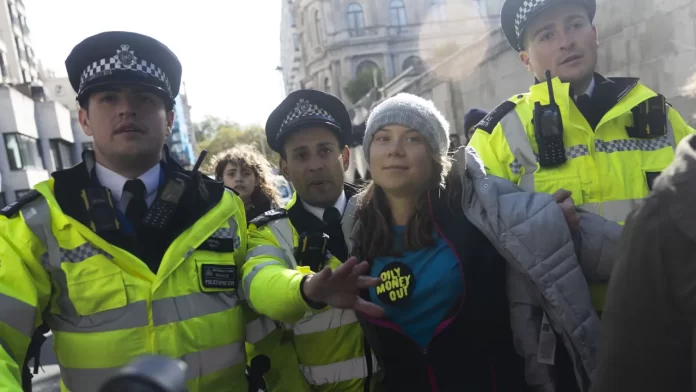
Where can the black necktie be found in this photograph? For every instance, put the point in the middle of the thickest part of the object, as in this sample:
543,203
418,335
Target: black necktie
584,105
331,216
136,207
332,227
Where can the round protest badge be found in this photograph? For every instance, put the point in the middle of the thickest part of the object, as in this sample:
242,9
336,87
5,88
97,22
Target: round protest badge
397,284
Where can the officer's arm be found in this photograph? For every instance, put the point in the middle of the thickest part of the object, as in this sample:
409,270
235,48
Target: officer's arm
679,126
271,288
25,288
493,150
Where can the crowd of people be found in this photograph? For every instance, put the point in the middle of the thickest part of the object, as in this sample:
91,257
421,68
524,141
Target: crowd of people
502,265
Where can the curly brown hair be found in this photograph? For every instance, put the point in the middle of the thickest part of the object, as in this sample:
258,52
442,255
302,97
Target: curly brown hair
373,211
247,156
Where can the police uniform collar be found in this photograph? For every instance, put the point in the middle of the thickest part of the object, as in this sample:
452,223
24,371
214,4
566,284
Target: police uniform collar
115,182
340,205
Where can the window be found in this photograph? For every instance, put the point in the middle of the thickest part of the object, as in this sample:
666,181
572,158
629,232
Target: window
397,13
438,10
60,153
356,20
414,61
3,202
366,66
3,66
87,146
317,28
296,41
22,152
327,85
21,192
20,49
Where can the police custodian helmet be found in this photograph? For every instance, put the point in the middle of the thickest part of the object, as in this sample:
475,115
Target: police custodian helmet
303,108
123,57
516,15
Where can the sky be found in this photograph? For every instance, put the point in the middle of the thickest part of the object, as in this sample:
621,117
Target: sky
229,49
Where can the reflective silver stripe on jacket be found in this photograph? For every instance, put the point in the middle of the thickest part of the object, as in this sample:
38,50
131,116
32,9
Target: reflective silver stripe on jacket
250,277
200,364
258,329
37,216
133,315
524,156
517,139
190,306
351,369
282,230
18,315
324,321
6,348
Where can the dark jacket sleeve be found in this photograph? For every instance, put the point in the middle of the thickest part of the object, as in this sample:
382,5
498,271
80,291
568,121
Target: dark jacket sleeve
648,320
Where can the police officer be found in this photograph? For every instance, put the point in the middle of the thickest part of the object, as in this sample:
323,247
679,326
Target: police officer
603,140
288,274
125,254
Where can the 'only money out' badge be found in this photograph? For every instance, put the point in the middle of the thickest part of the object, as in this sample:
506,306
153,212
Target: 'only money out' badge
397,284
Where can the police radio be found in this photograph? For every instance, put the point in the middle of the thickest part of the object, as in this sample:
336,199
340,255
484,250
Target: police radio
161,213
311,251
548,130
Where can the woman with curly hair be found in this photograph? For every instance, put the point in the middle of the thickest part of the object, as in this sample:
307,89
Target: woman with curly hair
244,169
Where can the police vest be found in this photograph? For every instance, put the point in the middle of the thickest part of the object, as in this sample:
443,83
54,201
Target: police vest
329,344
105,307
607,170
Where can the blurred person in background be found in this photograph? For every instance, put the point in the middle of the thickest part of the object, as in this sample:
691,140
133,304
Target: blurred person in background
650,318
471,119
244,169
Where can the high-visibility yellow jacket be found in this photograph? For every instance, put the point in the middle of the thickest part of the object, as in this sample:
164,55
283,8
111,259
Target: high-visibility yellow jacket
105,306
607,171
329,343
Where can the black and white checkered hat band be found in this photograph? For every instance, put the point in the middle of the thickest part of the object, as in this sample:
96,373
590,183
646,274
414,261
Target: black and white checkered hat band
104,67
304,108
523,13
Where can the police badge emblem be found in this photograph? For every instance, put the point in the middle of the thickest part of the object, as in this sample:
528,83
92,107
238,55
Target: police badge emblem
302,108
125,55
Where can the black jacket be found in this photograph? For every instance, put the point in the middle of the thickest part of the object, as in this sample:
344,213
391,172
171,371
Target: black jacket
474,352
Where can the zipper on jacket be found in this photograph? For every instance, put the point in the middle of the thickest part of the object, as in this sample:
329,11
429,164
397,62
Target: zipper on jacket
461,303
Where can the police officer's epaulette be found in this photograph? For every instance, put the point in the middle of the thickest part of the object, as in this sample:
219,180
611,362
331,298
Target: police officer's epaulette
11,209
492,119
268,217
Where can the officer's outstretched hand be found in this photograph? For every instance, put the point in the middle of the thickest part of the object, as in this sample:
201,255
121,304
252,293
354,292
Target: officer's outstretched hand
340,288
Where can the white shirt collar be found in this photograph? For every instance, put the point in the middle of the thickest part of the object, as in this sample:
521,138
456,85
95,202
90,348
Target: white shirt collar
114,181
588,91
319,212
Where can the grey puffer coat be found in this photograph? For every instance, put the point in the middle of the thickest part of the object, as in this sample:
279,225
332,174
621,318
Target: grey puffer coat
548,270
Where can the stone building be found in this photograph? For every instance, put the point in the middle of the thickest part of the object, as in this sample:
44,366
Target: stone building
650,39
327,44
